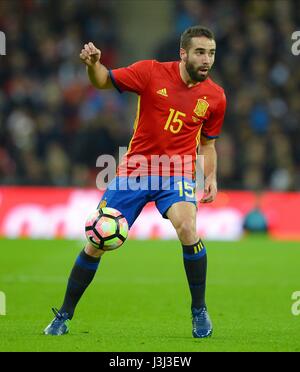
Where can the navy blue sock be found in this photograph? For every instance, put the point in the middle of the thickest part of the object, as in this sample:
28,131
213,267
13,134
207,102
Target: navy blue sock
81,276
195,264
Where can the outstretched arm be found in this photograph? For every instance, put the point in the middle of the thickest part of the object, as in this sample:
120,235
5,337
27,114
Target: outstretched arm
207,148
98,73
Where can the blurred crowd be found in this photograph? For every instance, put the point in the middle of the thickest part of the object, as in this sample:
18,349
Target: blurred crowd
53,124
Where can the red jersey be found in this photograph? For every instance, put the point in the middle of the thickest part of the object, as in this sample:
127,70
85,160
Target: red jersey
170,116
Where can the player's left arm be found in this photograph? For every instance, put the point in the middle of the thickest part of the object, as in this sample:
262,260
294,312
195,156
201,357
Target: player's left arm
210,132
208,150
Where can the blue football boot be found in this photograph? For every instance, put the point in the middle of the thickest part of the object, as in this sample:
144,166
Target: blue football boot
202,326
59,325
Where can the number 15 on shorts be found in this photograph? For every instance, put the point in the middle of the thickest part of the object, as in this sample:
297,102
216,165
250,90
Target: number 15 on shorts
186,189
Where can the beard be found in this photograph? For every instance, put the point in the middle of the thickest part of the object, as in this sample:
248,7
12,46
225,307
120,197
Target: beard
195,73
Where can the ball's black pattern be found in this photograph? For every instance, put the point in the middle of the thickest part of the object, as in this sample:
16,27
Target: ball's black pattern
104,239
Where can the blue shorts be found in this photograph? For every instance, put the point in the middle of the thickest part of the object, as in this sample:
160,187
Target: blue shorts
129,196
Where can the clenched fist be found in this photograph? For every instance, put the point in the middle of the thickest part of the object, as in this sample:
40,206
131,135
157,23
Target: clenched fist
90,55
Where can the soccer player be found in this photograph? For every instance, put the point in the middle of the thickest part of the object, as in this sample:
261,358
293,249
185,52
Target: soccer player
180,109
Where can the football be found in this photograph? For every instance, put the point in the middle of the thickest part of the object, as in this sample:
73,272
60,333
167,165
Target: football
106,228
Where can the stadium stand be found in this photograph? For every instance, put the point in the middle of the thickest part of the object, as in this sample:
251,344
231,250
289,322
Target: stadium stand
53,125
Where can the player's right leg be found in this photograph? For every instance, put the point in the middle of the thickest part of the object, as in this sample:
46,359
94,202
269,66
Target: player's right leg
81,276
129,203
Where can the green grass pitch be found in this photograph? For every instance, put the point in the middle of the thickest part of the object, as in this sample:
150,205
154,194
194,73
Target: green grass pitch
139,299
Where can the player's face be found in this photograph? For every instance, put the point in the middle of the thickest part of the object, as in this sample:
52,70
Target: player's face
199,58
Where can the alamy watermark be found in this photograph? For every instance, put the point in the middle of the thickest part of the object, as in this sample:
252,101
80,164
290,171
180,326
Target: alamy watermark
296,305
2,303
134,169
296,45
2,44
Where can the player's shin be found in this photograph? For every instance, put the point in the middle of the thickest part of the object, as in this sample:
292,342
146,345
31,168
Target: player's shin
81,276
195,264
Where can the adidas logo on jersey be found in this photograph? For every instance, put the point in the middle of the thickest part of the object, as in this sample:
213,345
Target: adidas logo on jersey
163,92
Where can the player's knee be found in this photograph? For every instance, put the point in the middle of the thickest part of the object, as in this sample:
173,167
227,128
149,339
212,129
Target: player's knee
92,251
186,231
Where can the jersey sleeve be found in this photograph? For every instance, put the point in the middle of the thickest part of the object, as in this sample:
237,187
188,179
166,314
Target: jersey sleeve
212,127
133,78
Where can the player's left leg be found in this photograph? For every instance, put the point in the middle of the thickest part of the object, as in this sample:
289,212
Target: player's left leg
182,214
183,217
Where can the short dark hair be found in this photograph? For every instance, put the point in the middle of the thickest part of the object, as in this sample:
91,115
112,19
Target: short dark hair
194,31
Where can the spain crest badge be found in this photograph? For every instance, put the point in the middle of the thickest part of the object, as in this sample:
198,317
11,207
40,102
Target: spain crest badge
103,204
201,107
